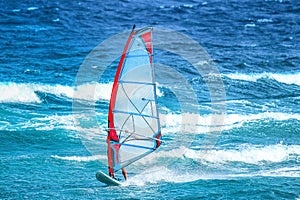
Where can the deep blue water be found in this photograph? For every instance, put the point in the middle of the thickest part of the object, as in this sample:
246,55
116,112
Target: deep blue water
52,143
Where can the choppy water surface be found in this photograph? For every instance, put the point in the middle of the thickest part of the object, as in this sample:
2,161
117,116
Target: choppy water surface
255,46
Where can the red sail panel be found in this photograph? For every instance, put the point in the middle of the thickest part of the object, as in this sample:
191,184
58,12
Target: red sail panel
147,39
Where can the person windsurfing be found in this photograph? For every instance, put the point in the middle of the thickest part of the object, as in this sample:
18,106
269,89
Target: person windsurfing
113,153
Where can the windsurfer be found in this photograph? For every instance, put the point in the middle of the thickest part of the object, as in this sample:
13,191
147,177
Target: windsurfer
113,153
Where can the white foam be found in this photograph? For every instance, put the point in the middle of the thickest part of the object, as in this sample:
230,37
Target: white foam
32,8
53,121
264,20
250,25
26,92
93,91
188,5
248,154
67,122
161,174
282,78
80,158
232,119
12,92
282,172
198,124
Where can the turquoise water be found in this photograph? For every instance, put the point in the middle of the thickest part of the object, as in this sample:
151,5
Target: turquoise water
51,150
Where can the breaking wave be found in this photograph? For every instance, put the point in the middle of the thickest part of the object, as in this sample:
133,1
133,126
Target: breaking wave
282,78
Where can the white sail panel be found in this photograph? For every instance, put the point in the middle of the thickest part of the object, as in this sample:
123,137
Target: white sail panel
135,113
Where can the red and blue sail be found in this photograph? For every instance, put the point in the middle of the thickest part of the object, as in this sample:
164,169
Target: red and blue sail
133,120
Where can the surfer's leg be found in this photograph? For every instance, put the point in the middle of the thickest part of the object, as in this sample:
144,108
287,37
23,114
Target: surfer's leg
111,172
124,173
110,160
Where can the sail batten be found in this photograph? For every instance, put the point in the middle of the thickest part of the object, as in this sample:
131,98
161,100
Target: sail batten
136,82
134,126
134,56
132,113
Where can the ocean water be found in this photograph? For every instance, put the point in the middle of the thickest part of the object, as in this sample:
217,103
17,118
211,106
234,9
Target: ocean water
52,142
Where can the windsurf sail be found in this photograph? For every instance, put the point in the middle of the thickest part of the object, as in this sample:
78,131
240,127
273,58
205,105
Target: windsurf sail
133,120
